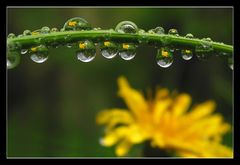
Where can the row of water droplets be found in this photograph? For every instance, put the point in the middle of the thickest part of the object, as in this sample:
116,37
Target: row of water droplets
86,49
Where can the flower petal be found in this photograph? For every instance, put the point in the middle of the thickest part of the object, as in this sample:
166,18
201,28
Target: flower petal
181,104
123,148
133,98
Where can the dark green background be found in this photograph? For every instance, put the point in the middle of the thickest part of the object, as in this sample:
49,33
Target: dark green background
52,106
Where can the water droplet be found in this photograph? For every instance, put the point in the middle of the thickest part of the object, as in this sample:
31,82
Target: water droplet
141,31
108,49
126,27
54,30
39,54
187,54
157,30
204,50
24,51
86,51
230,62
189,35
164,57
27,32
173,32
13,59
76,23
36,32
45,30
207,39
11,35
20,35
128,51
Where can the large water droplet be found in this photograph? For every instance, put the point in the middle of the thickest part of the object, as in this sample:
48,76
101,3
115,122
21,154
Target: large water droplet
108,49
126,27
77,23
230,62
187,54
86,51
39,54
173,32
13,59
164,57
128,51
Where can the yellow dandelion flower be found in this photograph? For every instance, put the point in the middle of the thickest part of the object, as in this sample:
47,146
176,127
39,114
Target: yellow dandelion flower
166,122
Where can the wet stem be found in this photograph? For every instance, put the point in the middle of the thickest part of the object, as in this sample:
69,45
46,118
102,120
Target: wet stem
158,40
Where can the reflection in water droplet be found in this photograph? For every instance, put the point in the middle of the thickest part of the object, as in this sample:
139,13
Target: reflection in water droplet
187,54
13,59
128,51
86,51
69,45
108,49
76,23
164,57
157,30
126,27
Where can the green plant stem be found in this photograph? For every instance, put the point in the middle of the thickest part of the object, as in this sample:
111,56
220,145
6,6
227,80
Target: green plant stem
103,35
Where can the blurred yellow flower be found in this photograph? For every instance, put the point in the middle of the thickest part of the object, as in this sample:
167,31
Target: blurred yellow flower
165,122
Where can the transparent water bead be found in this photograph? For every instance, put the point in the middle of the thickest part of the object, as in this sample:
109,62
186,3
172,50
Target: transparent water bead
230,62
187,54
45,30
164,57
189,35
39,54
127,51
108,49
126,27
11,35
76,23
54,30
86,51
204,50
26,32
157,30
13,59
173,32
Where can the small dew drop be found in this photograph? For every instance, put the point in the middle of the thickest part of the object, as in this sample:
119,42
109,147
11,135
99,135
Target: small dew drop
189,35
27,32
45,30
54,30
173,32
11,35
164,57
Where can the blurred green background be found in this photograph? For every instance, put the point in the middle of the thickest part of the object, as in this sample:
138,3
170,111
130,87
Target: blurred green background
52,106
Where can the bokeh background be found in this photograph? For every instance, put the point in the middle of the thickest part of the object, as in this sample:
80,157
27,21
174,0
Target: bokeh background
52,106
